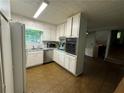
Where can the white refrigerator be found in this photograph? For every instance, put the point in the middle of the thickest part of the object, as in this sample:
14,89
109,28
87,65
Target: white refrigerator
6,68
12,57
18,56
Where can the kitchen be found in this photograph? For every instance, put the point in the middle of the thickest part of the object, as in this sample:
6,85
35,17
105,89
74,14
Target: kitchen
49,43
47,48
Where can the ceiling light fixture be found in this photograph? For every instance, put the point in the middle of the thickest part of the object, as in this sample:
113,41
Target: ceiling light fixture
40,10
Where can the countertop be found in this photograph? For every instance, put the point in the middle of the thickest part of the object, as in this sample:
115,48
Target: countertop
43,49
39,49
66,52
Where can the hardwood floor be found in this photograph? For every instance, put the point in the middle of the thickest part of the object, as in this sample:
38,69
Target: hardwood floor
98,77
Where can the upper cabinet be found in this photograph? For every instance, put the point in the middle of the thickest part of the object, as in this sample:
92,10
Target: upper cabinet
46,35
60,31
5,8
57,33
76,25
68,27
49,35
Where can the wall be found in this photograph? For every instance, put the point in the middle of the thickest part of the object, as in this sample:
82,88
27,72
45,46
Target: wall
90,44
30,23
93,38
102,36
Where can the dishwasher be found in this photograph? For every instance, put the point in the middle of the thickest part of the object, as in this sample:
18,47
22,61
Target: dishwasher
48,55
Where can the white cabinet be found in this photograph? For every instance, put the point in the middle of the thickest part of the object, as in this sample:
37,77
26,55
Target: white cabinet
65,60
49,36
68,27
5,8
57,33
46,35
34,58
56,56
72,64
52,35
61,59
76,25
73,26
60,31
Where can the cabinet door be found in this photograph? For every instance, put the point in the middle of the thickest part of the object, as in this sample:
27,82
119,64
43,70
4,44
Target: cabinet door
52,35
62,30
29,60
35,58
61,58
56,56
58,33
76,25
69,27
66,65
72,64
47,36
38,58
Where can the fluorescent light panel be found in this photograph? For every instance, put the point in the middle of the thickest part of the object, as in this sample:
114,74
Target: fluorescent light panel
40,10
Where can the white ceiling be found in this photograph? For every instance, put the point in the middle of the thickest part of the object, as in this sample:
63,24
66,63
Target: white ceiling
100,13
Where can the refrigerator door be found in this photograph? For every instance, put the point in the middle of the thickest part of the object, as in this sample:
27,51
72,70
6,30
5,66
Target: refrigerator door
6,59
1,75
19,56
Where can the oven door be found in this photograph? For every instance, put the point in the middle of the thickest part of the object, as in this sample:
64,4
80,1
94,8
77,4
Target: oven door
71,48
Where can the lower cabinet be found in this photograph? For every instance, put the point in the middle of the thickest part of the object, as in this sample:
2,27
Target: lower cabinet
65,60
56,56
72,66
61,59
34,58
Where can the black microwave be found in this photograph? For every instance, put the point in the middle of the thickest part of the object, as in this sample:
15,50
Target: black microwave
71,44
51,45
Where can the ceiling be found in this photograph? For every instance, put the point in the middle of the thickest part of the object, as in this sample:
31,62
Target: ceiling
100,13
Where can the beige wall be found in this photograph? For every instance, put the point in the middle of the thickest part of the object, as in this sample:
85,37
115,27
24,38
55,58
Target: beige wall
34,24
30,23
93,38
90,44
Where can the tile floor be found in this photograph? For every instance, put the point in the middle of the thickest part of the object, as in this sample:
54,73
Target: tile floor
98,77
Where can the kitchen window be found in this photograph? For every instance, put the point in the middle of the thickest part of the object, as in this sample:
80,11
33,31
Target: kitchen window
33,37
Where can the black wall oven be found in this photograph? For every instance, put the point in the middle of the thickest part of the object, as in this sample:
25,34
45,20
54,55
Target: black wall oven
71,44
